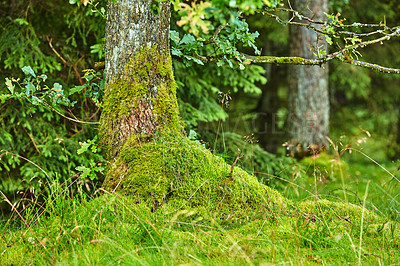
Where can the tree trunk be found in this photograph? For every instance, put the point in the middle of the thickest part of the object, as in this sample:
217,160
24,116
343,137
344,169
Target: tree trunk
308,119
150,158
140,96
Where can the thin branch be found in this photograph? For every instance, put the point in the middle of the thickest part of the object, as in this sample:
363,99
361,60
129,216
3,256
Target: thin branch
294,60
278,60
69,118
238,157
54,50
311,25
317,62
213,39
375,67
33,141
353,25
75,66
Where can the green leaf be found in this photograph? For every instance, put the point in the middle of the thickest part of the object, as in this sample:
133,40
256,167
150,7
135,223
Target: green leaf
188,39
84,147
4,98
57,87
328,40
85,171
21,21
76,89
175,51
192,135
28,71
198,61
9,85
174,36
29,88
36,100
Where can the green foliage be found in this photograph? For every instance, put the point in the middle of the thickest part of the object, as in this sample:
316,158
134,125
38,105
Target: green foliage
76,229
36,93
19,46
36,145
199,89
215,29
94,169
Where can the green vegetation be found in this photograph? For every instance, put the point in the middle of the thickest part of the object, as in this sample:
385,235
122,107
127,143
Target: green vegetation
220,227
130,92
179,202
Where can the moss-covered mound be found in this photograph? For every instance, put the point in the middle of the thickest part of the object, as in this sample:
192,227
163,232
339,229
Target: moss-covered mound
201,214
172,169
334,213
325,166
175,174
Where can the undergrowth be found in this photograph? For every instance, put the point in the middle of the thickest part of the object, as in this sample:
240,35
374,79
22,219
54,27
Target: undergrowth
76,228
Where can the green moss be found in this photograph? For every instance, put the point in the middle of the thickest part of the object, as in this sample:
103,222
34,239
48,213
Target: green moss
174,173
336,213
173,176
148,78
282,60
173,169
325,165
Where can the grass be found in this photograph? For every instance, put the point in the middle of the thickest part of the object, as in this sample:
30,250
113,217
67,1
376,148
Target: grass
348,184
324,223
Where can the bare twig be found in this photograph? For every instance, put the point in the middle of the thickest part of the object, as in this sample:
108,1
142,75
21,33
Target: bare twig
26,159
54,50
33,141
69,118
238,157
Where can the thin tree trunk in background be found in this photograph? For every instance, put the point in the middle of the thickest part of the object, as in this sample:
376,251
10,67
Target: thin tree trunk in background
308,119
139,77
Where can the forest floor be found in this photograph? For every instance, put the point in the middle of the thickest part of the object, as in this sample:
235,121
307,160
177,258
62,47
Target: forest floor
113,229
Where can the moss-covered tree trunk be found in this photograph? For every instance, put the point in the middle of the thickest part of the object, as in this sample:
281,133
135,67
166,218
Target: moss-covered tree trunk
150,159
140,89
308,85
140,95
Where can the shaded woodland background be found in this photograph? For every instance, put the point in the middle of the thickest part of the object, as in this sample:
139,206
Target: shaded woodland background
224,108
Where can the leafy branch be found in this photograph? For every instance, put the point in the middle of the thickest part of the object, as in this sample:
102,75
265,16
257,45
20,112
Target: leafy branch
220,46
33,89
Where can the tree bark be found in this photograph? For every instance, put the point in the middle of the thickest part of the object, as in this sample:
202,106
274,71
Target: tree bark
140,95
308,119
150,158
